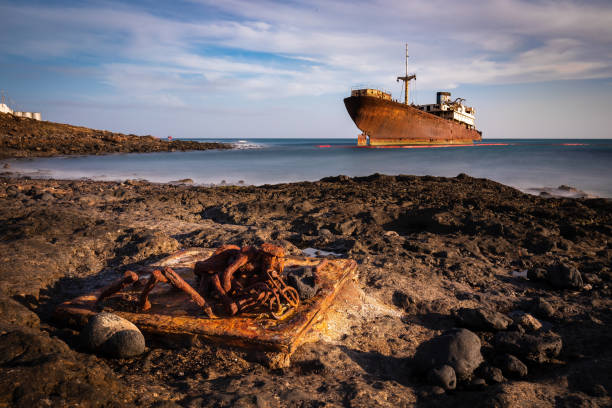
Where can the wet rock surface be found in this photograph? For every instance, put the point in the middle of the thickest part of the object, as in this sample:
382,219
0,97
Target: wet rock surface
425,246
23,137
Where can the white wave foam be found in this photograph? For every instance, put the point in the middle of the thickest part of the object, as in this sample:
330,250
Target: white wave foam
245,144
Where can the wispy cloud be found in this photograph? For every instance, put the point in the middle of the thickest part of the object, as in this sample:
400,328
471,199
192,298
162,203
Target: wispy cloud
216,49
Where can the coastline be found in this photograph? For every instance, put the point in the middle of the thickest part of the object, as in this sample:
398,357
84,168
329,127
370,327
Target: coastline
536,168
23,137
562,191
426,246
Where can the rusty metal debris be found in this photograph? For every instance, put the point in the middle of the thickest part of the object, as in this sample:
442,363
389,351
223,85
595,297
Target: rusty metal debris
248,278
170,312
242,278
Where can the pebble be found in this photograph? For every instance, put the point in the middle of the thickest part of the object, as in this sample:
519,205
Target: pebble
478,383
112,335
542,308
46,197
437,390
513,367
527,321
443,376
599,390
492,375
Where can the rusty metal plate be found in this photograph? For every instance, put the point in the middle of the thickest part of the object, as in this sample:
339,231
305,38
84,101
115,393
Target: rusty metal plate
173,313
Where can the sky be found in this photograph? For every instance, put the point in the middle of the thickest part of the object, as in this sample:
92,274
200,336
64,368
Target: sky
247,68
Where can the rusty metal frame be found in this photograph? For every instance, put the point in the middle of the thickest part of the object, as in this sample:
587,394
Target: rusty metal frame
174,314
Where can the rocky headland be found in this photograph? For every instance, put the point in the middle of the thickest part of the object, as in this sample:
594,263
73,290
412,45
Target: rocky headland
23,137
470,293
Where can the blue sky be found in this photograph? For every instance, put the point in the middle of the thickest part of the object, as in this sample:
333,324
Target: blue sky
238,68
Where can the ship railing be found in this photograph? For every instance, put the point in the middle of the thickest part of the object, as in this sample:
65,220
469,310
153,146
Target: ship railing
366,86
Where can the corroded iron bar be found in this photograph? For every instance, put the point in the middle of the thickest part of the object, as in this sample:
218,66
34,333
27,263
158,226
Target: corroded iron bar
228,273
156,276
230,305
178,282
127,279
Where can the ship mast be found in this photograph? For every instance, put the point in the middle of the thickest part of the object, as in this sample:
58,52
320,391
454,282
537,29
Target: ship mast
406,79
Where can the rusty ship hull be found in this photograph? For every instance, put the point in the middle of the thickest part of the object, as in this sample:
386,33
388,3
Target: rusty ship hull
387,122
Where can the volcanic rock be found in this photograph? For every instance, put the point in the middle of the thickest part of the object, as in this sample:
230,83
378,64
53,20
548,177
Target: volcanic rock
527,321
542,308
536,348
558,275
458,348
564,276
443,376
482,319
14,313
513,367
492,375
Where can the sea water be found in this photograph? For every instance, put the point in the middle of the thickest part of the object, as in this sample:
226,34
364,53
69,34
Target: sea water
530,165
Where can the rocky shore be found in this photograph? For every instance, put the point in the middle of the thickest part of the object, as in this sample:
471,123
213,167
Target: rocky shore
470,293
23,137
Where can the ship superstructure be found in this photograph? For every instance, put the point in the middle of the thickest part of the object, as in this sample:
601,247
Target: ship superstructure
451,110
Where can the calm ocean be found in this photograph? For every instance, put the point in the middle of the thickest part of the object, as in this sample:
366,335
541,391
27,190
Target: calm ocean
530,165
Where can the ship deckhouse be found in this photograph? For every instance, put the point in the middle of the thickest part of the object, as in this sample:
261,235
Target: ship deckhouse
451,110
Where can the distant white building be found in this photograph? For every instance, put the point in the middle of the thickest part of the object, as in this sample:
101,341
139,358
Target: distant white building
4,108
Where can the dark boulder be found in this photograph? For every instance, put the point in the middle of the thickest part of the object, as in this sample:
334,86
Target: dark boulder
537,348
482,319
558,275
458,348
564,276
37,367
